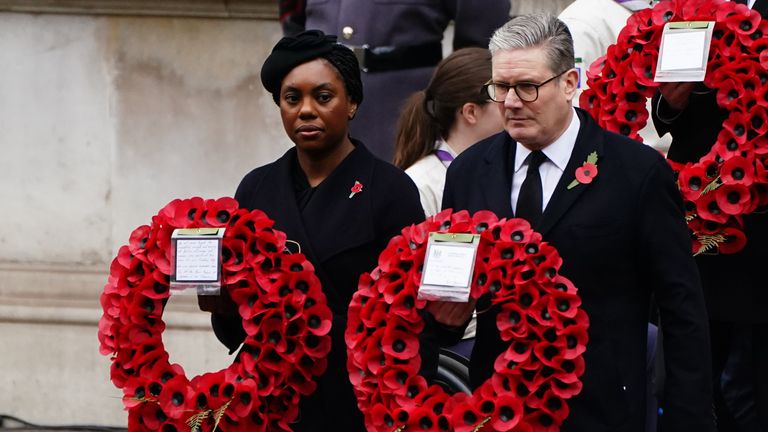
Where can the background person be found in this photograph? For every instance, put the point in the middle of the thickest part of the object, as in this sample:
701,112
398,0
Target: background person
593,33
404,43
316,84
439,122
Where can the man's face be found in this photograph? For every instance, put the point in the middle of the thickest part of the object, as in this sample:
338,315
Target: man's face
534,124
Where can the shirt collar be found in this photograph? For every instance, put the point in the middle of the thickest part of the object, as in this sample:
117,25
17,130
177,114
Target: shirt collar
634,5
559,152
442,145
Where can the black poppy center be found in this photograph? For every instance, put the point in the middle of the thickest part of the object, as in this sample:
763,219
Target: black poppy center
694,183
737,173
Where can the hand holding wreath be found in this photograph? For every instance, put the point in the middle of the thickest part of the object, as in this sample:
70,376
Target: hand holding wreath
540,317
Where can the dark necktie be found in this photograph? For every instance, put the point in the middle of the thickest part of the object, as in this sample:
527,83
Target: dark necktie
529,201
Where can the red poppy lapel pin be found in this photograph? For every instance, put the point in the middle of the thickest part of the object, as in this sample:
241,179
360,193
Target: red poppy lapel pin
357,188
587,172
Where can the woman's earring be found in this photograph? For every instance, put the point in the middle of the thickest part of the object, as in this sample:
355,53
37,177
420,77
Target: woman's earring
352,113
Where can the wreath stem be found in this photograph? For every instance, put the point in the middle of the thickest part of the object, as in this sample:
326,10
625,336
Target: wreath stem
482,423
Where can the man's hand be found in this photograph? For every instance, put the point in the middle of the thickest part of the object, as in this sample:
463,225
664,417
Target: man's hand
451,314
676,94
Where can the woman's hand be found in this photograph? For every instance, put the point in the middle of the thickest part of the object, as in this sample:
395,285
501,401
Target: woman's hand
219,304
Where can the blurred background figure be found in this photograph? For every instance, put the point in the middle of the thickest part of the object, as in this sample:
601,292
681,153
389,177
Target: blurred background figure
594,26
398,44
438,123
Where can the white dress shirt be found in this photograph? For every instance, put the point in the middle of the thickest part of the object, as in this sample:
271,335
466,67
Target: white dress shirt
428,173
558,153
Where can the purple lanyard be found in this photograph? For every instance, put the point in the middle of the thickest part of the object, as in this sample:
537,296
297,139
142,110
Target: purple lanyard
444,157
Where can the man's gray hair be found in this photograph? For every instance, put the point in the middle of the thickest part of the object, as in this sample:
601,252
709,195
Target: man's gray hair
537,30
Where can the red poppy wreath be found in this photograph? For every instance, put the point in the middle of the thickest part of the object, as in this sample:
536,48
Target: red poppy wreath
731,180
280,300
540,317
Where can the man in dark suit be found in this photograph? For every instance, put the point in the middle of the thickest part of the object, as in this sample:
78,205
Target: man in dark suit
621,234
734,284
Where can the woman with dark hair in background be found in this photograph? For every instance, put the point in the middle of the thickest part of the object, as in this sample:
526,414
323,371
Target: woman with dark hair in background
311,192
438,123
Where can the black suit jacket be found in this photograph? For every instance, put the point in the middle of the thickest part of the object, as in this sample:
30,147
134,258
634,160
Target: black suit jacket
734,284
621,238
342,237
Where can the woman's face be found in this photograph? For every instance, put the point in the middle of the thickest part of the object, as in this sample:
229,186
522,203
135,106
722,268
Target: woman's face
315,107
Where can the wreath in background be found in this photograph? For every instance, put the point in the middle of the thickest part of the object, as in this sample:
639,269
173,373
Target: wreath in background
731,180
540,317
280,300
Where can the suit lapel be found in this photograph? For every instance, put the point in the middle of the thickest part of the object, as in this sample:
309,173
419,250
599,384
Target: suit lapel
498,172
336,221
278,201
588,140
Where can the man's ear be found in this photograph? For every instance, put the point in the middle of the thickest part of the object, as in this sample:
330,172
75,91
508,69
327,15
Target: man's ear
469,112
571,83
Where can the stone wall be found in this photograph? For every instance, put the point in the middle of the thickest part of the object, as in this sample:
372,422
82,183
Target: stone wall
104,119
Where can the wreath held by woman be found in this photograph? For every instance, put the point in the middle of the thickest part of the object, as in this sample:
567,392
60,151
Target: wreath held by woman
280,300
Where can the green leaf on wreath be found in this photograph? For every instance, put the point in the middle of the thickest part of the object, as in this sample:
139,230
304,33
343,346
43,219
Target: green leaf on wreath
592,158
714,184
709,242
219,413
196,421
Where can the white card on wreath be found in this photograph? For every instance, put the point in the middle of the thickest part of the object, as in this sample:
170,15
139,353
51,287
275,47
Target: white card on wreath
448,267
196,260
684,51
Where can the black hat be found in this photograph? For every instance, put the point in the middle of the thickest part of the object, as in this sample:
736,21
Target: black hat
292,51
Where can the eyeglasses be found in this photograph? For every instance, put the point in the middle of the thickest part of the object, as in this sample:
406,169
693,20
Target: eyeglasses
527,92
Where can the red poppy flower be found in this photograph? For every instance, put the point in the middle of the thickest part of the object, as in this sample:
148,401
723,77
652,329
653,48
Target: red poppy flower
218,212
708,209
574,338
186,212
152,416
508,413
512,323
644,68
586,172
663,13
732,199
735,239
729,92
742,21
176,397
737,170
399,344
319,319
406,306
466,417
692,182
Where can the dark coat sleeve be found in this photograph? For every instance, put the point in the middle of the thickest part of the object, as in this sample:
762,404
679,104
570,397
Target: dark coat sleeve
665,247
293,16
694,129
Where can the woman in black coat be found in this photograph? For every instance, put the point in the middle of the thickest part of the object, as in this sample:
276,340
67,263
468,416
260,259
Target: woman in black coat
332,196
